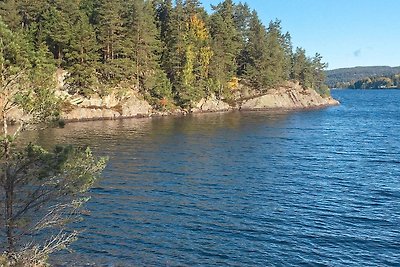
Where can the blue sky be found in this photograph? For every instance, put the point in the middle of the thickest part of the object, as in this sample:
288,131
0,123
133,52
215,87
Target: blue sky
346,33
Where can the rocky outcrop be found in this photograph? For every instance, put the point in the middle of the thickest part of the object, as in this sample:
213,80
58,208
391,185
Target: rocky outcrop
290,96
132,104
211,104
108,107
80,113
134,107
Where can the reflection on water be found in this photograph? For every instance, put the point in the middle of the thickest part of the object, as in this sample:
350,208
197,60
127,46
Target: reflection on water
244,189
154,130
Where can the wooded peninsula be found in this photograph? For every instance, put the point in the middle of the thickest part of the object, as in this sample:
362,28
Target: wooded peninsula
173,53
373,77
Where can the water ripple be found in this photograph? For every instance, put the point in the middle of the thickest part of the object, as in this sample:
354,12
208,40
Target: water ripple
317,188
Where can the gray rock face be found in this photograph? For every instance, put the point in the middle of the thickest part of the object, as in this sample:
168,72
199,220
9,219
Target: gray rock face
211,104
108,107
80,113
290,96
131,104
136,107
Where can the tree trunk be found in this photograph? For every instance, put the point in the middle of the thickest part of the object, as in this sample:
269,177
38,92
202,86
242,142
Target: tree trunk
9,213
137,57
9,189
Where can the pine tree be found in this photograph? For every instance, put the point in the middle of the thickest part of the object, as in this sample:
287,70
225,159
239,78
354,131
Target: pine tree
31,10
82,57
163,9
144,48
255,53
242,16
193,7
276,58
319,75
10,15
225,46
302,69
57,26
310,72
286,42
173,39
110,33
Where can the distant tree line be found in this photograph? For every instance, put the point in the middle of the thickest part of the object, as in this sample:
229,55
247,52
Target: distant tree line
380,82
345,77
174,52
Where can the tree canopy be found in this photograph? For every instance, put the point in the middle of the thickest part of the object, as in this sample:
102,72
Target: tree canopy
40,191
172,51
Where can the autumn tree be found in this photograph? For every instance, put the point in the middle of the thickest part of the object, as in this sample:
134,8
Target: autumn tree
195,73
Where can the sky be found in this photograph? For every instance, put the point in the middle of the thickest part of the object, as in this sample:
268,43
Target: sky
347,33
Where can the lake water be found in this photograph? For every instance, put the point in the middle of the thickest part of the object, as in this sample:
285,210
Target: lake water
317,188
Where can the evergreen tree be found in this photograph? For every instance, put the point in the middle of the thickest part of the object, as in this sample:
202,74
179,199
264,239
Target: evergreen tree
193,7
173,39
255,53
158,44
286,42
319,70
310,72
225,46
163,10
10,15
299,67
276,59
242,16
82,57
31,10
145,50
110,33
58,25
303,69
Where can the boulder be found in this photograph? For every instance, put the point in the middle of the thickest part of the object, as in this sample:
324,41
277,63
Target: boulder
211,104
134,106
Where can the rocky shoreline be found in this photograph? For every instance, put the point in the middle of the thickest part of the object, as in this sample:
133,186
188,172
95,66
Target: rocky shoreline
290,96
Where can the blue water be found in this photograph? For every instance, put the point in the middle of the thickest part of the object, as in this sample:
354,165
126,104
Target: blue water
315,188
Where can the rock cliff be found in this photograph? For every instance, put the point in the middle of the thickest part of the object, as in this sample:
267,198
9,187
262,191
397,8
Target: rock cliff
132,104
211,104
289,96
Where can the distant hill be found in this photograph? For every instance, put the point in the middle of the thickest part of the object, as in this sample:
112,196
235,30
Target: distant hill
348,75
